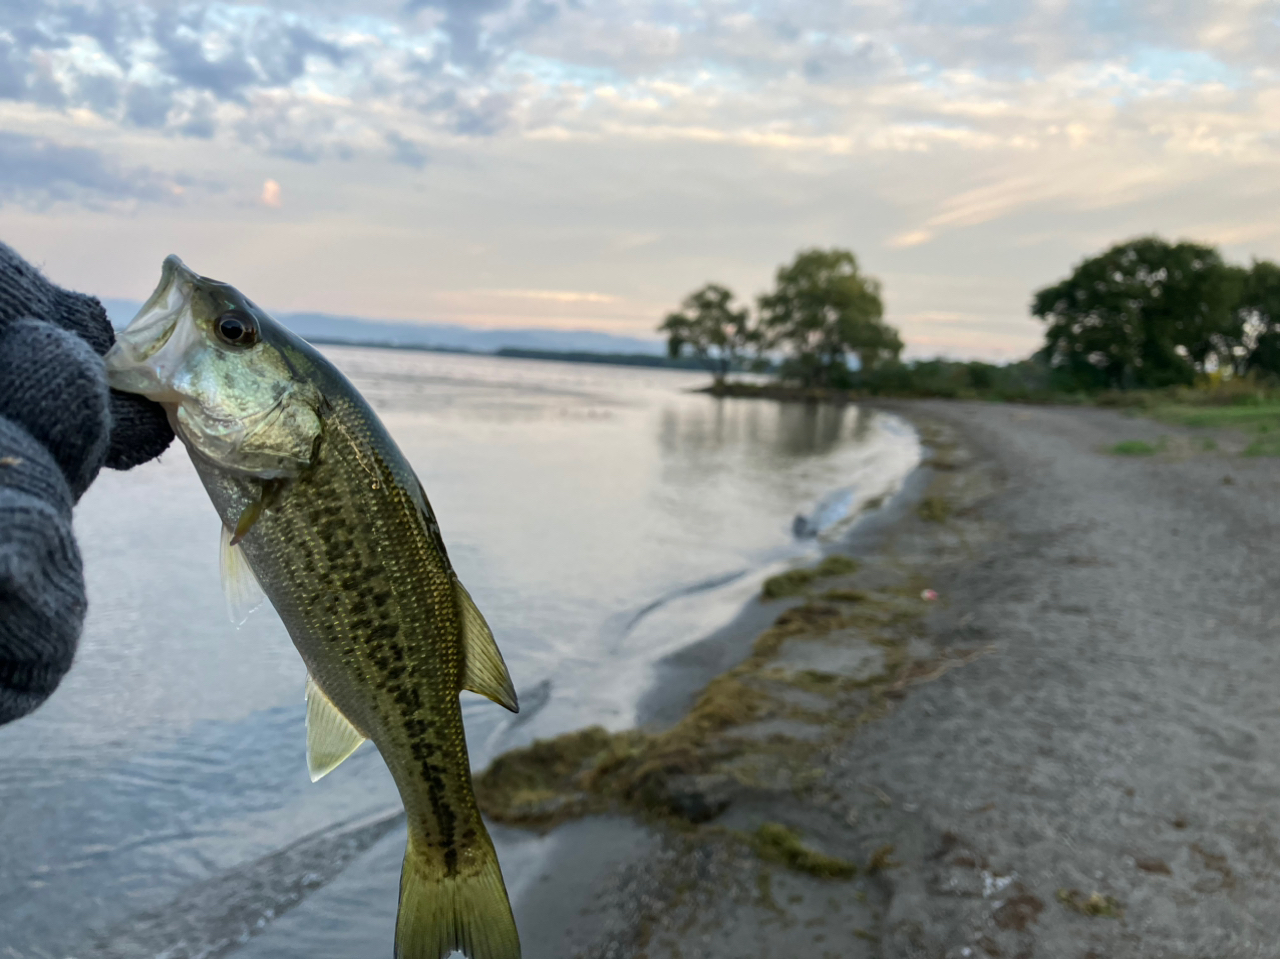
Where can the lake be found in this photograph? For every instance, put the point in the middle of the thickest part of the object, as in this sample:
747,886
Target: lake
602,517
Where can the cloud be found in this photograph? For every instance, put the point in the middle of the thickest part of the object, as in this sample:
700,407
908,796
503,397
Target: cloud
271,194
555,296
463,23
645,146
405,151
336,79
910,238
38,172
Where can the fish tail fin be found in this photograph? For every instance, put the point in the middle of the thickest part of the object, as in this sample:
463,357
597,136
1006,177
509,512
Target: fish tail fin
468,911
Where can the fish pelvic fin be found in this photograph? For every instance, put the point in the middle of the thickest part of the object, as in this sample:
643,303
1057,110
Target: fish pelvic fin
467,911
331,737
484,672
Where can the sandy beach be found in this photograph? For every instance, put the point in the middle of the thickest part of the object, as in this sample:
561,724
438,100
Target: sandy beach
1072,751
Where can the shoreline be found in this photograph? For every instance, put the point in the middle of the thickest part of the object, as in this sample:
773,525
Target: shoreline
638,821
1050,760
681,675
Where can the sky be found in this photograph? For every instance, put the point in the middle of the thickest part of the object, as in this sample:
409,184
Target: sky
581,164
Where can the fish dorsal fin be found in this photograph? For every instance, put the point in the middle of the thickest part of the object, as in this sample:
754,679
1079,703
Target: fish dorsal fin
330,736
483,671
240,587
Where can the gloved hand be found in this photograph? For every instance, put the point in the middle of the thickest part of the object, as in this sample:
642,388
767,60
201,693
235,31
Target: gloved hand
59,424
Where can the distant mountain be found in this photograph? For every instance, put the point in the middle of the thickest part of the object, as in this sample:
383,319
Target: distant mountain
323,327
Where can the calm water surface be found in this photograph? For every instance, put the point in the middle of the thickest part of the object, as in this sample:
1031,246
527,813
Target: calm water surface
601,517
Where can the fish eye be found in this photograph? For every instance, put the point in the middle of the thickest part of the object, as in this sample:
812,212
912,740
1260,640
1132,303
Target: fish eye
237,328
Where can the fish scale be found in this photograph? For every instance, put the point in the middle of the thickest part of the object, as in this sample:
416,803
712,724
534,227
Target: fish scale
339,534
382,603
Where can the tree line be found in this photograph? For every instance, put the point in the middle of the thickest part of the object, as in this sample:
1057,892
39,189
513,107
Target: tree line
1144,314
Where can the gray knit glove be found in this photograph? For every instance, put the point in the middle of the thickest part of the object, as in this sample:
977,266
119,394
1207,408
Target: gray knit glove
59,424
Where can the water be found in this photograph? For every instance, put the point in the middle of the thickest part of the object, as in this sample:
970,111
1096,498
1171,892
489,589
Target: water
600,516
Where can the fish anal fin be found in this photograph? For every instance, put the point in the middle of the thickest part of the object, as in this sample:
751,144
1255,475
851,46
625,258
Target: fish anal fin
331,737
240,587
484,672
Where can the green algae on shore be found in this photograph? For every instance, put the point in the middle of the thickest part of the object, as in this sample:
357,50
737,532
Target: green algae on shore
795,581
881,859
746,728
1094,905
757,737
776,843
934,509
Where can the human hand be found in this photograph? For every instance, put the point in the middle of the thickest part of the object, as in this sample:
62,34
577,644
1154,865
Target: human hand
59,424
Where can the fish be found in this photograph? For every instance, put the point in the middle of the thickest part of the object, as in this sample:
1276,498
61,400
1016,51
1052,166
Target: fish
323,515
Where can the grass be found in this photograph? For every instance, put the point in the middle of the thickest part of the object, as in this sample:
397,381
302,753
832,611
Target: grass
774,842
1134,448
1257,418
1264,446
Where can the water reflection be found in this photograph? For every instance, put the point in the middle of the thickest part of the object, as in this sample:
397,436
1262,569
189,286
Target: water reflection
774,431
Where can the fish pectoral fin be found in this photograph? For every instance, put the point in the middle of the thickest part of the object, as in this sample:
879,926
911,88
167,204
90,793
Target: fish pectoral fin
484,672
245,523
330,736
240,587
269,493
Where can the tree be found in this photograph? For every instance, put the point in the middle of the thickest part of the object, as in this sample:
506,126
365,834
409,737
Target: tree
1259,314
1144,313
821,309
711,329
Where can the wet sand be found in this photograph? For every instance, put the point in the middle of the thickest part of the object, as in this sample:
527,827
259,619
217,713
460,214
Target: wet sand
1074,751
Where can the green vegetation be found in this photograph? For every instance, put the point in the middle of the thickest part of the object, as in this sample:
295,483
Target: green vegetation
758,729
881,859
709,327
1240,404
774,842
935,509
1145,313
1257,418
821,309
845,595
609,359
679,775
1094,905
795,581
1133,448
1268,446
1144,316
529,783
1149,314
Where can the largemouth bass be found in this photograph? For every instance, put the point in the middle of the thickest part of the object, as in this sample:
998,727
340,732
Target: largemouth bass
322,512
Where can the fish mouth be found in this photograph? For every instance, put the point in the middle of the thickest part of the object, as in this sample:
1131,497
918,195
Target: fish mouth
145,356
